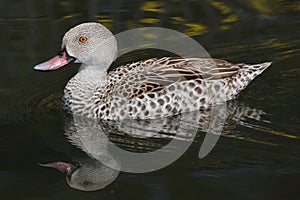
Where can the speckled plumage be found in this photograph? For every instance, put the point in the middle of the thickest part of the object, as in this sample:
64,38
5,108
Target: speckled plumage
158,87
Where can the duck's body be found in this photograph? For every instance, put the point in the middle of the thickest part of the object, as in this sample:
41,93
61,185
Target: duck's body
157,88
151,88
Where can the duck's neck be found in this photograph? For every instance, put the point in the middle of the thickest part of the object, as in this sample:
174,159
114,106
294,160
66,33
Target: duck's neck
79,94
93,75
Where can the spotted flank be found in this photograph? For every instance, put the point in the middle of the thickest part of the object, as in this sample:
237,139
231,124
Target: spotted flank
147,89
161,87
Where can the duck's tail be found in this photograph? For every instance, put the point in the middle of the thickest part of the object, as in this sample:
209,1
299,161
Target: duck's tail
256,69
244,77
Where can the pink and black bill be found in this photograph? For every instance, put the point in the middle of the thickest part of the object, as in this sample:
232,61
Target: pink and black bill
60,60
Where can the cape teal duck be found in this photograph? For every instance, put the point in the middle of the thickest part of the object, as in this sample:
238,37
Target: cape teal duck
152,88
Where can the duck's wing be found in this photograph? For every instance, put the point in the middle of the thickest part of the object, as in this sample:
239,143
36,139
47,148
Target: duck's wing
153,75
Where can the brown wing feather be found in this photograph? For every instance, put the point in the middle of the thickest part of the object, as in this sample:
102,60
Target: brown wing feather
155,74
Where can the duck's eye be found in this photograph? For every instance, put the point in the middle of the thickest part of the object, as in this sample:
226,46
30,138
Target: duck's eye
82,39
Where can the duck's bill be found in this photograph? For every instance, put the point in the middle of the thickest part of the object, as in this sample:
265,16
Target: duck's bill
60,60
64,167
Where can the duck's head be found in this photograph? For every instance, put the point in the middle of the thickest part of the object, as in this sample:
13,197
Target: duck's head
89,175
89,43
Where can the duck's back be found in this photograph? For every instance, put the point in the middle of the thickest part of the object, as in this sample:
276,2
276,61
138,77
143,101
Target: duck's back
162,87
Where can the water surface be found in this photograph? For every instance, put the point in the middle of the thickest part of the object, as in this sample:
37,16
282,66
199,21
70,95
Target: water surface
256,158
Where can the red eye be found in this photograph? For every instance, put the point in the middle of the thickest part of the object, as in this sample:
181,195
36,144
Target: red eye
82,39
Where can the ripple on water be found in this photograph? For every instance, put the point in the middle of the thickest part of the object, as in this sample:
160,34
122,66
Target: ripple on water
32,103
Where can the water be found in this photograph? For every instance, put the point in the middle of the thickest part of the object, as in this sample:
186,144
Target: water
258,155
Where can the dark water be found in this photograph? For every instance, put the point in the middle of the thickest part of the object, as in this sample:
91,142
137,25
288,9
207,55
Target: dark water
256,158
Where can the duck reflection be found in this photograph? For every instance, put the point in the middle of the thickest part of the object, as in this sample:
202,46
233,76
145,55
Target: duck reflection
87,174
100,139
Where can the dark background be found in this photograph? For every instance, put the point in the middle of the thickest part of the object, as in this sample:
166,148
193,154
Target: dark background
263,164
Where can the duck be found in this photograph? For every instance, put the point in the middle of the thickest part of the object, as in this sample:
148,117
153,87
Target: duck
145,89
